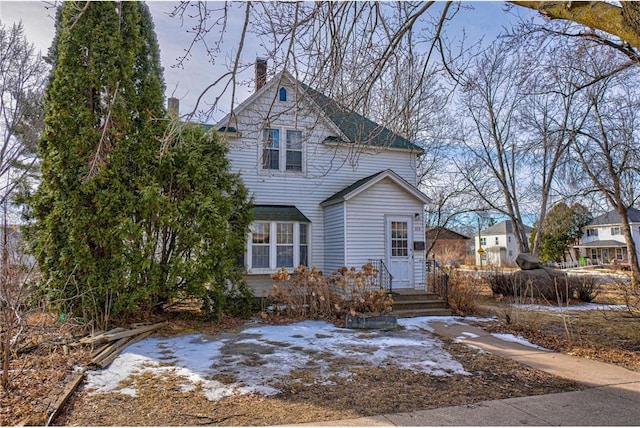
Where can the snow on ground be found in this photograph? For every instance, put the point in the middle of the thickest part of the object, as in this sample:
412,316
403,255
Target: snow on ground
516,339
570,308
258,356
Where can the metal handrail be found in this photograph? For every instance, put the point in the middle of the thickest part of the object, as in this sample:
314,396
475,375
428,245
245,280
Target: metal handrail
384,279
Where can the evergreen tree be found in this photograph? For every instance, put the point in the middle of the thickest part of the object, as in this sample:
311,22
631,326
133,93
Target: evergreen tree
133,208
563,227
196,224
101,108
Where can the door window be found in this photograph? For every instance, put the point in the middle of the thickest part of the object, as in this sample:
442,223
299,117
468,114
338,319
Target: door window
399,239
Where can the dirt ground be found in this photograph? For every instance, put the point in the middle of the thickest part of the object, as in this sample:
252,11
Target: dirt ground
39,372
369,391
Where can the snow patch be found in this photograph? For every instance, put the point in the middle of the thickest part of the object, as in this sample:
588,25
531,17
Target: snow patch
516,339
259,356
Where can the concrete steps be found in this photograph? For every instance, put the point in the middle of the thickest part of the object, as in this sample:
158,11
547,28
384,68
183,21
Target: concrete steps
415,303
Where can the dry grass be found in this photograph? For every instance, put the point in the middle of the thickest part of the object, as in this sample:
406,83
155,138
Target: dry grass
368,391
609,336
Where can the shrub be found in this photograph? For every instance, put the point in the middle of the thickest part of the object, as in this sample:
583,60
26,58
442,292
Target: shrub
463,294
546,284
307,294
585,287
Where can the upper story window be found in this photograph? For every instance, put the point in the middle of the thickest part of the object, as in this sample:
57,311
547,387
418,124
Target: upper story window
294,150
271,149
592,232
483,241
282,154
615,231
282,94
497,240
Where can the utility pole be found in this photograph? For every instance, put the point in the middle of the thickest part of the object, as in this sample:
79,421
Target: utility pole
480,249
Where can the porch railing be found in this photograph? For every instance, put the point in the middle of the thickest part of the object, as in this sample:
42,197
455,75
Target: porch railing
383,279
437,280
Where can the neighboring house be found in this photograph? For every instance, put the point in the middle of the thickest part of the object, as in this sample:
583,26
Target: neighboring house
499,244
448,246
602,240
331,188
14,246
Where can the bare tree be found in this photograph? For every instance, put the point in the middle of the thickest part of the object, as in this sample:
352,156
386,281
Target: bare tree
607,151
552,114
494,162
22,78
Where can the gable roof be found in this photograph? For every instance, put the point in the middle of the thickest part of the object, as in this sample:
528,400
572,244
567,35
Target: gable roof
503,228
363,184
612,217
443,233
357,128
354,127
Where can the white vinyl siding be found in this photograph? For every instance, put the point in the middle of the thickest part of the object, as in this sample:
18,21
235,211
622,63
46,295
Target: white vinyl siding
327,168
366,214
334,234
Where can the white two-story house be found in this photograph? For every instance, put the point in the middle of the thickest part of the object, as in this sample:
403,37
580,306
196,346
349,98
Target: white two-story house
602,241
499,245
331,188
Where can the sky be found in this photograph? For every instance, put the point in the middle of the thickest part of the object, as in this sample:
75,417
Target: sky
479,19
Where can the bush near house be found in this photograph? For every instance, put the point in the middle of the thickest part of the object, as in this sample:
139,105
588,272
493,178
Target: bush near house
464,292
307,294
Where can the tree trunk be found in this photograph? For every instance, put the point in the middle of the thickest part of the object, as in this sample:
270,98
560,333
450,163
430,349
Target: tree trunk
633,255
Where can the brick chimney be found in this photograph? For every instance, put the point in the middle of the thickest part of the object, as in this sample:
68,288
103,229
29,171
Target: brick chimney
261,73
173,106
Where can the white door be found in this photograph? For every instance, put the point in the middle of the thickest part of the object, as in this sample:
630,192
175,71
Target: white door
400,251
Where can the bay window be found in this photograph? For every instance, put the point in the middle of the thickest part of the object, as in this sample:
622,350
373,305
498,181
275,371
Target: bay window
286,246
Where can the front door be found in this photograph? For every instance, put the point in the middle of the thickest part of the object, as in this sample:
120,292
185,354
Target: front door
399,251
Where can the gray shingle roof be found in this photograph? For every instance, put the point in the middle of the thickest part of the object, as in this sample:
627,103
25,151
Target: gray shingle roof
603,243
503,228
612,217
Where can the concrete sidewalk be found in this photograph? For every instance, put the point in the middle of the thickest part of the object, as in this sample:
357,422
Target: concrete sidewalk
611,396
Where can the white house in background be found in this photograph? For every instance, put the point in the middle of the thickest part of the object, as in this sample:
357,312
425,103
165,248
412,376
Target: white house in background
331,188
602,240
499,244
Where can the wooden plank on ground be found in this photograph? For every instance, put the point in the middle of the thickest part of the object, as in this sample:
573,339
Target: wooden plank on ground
132,332
69,388
126,341
116,346
98,336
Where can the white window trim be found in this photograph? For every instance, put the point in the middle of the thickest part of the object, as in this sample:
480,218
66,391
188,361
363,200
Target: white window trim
282,152
273,248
